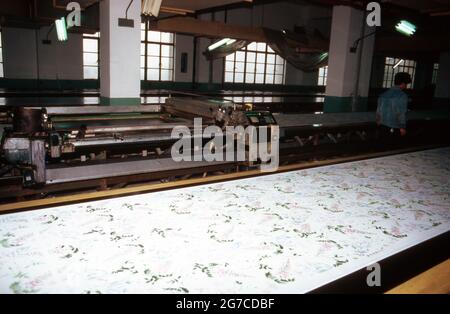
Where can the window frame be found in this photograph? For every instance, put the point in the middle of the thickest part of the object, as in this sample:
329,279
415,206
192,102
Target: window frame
146,42
96,37
322,77
408,66
245,72
2,61
435,73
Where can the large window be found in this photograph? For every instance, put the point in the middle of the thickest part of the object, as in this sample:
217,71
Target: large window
435,73
255,64
323,73
157,55
393,66
91,56
1,55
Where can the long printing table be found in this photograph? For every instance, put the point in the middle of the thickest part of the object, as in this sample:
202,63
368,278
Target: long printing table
282,233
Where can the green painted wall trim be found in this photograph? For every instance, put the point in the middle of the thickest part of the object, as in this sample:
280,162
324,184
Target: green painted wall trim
120,101
362,104
344,104
337,104
205,87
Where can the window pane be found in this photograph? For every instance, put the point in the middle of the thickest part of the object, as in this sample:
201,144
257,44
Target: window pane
90,59
153,74
228,77
239,78
166,51
1,54
143,35
166,63
279,69
230,57
251,46
166,75
153,49
279,60
250,78
90,45
259,79
1,70
250,68
251,57
167,38
278,79
154,36
90,73
270,69
270,58
240,56
143,61
229,66
270,49
261,47
260,68
142,49
269,79
239,66
153,62
261,58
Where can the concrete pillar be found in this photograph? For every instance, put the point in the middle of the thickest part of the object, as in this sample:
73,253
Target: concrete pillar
120,53
442,92
346,70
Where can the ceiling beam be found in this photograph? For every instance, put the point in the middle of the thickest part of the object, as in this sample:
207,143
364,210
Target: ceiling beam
189,25
416,44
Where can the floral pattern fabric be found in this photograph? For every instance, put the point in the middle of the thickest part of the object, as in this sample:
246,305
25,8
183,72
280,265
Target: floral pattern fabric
281,233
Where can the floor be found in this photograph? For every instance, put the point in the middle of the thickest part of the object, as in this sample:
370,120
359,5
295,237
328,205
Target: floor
281,233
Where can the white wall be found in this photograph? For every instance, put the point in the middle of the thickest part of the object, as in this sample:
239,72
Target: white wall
19,53
183,44
59,60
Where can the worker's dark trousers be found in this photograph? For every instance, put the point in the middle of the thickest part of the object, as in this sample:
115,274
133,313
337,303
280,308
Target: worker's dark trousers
388,136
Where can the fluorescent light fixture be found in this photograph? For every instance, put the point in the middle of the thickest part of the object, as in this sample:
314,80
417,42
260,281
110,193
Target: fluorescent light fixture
61,29
406,28
222,42
398,63
151,7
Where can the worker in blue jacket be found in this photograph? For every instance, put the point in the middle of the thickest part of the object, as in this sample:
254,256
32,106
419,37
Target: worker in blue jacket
392,107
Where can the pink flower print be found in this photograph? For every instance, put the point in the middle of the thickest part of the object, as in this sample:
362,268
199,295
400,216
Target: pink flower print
418,215
395,231
305,228
284,271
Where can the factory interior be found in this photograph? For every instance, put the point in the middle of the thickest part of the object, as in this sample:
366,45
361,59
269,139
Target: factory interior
224,147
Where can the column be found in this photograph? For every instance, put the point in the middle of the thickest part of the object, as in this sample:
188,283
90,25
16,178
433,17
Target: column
120,53
442,92
348,80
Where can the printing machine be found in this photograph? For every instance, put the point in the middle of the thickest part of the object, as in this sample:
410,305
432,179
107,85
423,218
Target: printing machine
65,144
57,145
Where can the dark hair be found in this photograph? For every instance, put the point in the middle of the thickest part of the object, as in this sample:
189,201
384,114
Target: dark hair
402,77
